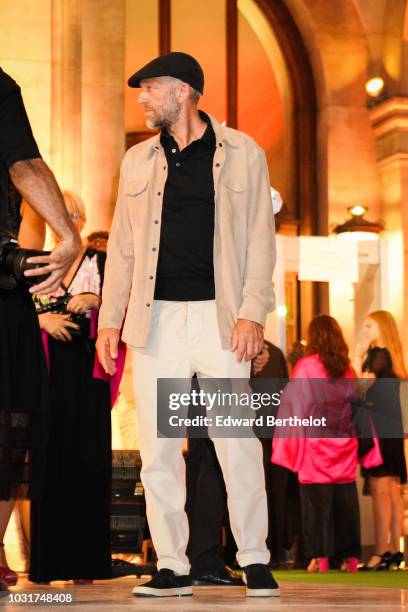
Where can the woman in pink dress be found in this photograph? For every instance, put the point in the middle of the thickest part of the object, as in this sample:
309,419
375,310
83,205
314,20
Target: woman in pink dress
326,466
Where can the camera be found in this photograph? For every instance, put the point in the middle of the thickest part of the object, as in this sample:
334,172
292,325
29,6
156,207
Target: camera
13,263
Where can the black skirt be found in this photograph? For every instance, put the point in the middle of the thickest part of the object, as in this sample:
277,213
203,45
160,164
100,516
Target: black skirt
23,398
70,527
383,399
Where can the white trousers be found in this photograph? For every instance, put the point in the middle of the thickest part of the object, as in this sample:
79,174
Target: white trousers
184,340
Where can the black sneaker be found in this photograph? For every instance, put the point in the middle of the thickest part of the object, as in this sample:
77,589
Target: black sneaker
165,584
259,581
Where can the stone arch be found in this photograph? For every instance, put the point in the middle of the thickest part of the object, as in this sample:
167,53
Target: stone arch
335,38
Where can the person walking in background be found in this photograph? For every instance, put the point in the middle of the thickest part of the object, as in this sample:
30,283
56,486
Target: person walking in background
326,467
382,357
206,505
70,526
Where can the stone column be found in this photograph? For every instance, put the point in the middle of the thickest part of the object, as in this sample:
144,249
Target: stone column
390,125
66,93
102,102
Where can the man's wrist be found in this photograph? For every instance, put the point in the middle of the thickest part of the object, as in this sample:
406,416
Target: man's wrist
250,321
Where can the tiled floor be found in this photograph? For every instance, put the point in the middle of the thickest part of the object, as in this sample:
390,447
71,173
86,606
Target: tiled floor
116,596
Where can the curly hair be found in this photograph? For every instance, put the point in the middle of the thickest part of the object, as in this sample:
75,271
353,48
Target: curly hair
325,338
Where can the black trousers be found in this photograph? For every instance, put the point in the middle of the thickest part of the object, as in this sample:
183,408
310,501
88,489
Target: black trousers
206,507
207,511
282,491
330,520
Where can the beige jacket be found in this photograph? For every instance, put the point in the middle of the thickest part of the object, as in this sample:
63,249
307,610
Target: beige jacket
244,237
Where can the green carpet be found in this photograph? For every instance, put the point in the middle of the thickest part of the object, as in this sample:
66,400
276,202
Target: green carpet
391,580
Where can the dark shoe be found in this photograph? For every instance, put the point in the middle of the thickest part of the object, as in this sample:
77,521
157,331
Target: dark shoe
383,563
4,591
259,581
165,584
222,577
8,576
396,561
125,568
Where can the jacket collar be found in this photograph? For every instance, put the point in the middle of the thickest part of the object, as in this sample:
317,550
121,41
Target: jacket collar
222,134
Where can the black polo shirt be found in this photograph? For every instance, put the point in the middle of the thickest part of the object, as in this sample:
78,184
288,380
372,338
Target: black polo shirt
185,270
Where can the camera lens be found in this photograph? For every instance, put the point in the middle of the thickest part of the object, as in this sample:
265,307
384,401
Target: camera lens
16,264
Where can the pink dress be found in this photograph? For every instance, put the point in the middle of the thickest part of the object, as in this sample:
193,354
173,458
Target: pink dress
318,460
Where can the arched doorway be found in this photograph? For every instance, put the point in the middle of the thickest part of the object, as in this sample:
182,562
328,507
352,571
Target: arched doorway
258,79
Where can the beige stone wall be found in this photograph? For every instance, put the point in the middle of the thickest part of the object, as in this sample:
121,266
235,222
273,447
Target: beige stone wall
25,53
68,57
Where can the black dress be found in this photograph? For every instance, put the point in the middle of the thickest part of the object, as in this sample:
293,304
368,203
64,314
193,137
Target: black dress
385,411
23,398
70,527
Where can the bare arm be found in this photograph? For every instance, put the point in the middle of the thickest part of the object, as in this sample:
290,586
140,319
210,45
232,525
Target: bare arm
37,185
31,234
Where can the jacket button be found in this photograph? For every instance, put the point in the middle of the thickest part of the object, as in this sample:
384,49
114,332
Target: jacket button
159,193
217,165
154,249
148,305
220,144
156,221
164,167
151,277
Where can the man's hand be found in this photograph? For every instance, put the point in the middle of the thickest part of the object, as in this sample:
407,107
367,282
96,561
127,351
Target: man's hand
247,339
107,349
261,360
56,265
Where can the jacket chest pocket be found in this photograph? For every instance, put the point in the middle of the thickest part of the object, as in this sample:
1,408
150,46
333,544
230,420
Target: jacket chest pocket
235,193
136,187
137,193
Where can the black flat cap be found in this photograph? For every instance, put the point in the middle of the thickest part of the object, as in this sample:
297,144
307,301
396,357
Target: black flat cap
176,64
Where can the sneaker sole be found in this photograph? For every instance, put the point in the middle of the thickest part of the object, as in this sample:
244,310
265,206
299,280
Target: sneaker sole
262,593
141,591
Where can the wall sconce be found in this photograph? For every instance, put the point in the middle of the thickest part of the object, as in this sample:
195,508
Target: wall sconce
375,89
358,228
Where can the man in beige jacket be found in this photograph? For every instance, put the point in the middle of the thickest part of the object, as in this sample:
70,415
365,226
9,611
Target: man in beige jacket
189,270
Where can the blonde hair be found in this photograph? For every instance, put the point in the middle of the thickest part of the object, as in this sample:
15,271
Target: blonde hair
390,339
75,205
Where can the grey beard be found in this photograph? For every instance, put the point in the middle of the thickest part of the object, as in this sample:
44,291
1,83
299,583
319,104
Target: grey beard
168,116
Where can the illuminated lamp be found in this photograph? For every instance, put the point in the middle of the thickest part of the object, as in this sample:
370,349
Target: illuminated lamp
282,311
376,93
358,228
374,86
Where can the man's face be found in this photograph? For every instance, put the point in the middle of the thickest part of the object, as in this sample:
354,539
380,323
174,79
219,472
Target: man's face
158,99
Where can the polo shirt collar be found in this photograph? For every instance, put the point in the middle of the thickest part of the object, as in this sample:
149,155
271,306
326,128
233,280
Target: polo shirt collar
223,133
208,137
